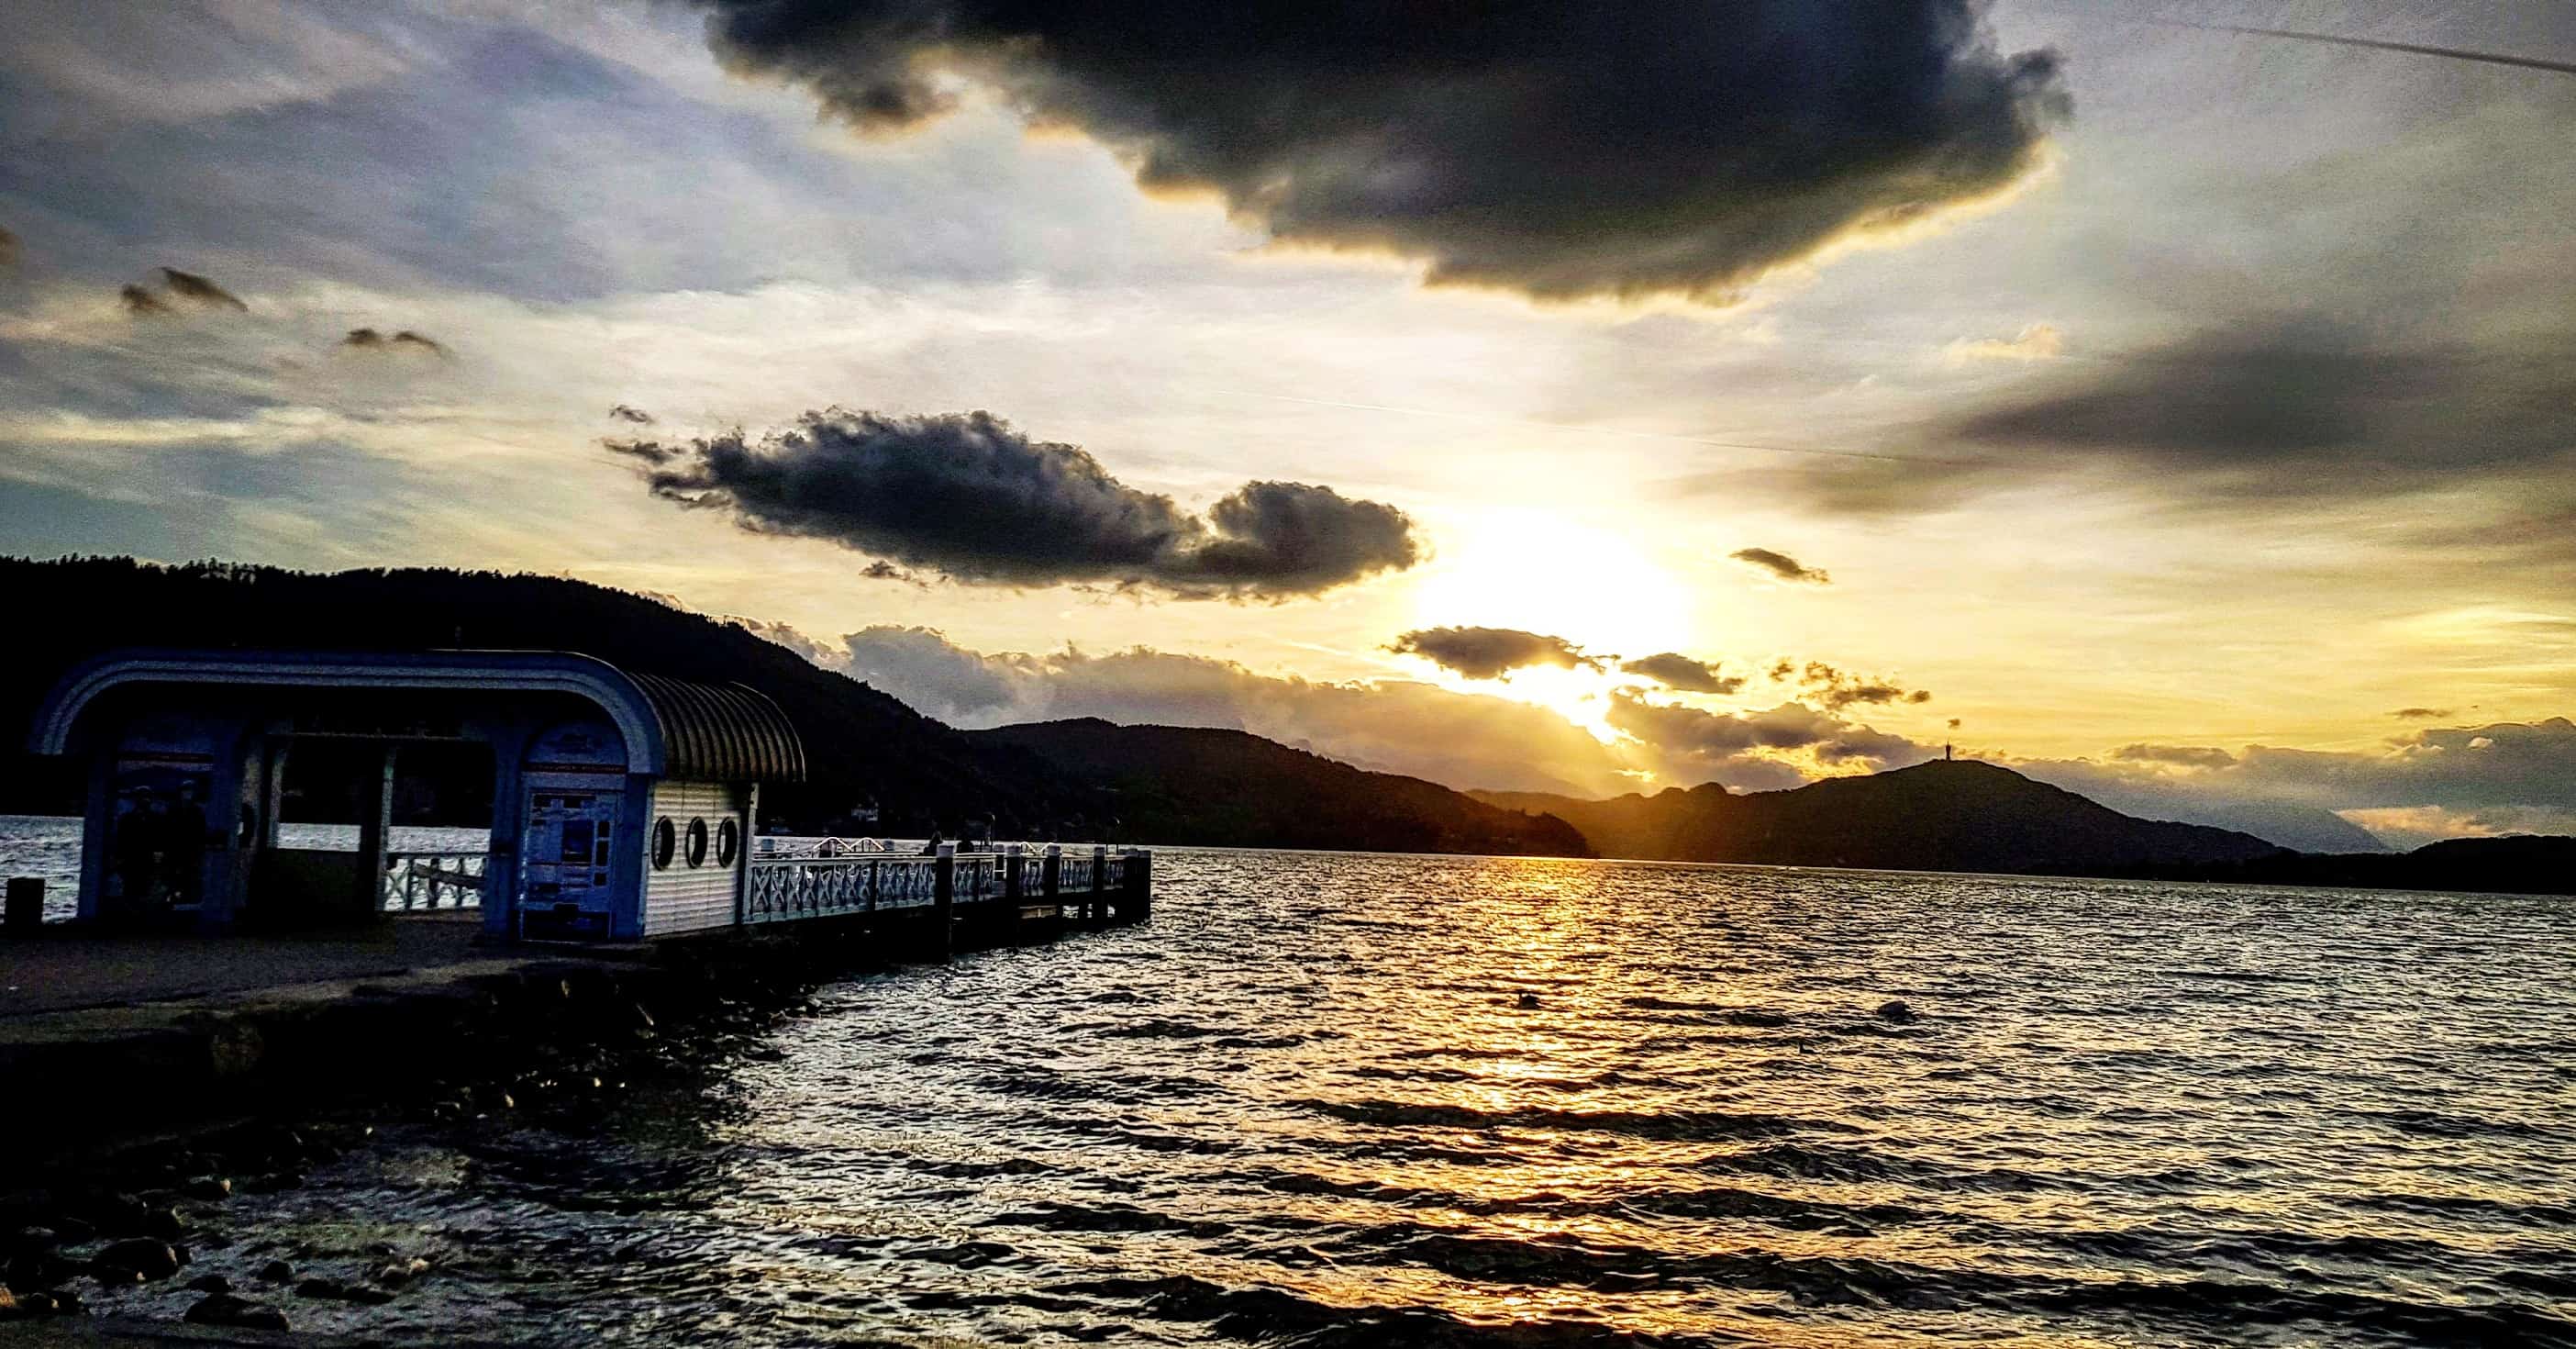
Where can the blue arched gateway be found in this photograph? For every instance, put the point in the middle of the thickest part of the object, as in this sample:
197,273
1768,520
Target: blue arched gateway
623,803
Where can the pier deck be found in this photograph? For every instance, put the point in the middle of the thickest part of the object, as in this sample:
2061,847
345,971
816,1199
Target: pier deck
69,972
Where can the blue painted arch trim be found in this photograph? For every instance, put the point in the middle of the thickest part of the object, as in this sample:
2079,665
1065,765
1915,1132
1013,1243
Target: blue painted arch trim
751,739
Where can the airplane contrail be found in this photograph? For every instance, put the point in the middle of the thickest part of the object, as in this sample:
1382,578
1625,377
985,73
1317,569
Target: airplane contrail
2376,44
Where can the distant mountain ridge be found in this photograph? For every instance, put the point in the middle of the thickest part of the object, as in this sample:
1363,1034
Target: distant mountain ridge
1938,816
1153,784
1175,784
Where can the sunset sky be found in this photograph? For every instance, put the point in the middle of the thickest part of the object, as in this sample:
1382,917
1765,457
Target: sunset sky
2184,416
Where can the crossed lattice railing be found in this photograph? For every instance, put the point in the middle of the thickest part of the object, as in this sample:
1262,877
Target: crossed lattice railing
434,880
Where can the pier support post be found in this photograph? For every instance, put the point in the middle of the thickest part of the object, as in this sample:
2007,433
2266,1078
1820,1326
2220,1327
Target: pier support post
1014,889
943,897
375,826
1138,903
26,906
1097,906
1051,879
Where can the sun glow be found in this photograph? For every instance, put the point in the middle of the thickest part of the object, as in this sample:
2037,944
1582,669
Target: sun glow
1544,573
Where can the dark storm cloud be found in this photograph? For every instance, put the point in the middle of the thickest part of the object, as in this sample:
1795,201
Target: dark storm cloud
632,415
1837,689
1562,151
1782,565
190,286
1675,670
140,302
970,496
1491,653
368,339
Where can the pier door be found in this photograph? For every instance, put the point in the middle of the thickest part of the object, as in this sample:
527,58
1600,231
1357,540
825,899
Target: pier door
568,861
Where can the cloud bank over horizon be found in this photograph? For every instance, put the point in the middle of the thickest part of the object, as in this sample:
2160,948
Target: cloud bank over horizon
2425,785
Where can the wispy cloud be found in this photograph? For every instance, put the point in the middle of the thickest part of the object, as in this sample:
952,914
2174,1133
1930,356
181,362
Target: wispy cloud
2037,342
1781,565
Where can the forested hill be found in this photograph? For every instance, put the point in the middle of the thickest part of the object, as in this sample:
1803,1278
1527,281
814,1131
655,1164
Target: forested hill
862,744
1177,784
1938,816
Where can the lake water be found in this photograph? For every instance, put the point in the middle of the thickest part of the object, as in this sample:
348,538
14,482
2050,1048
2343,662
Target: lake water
1308,1105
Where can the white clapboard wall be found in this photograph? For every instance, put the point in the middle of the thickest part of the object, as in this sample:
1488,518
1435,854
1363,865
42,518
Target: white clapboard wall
680,897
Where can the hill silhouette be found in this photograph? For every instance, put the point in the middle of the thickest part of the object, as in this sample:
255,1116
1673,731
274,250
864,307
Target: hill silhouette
863,745
1176,784
1938,816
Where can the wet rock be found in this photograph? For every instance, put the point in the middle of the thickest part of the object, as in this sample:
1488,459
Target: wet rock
1894,1009
273,1182
135,1258
276,1271
208,1188
33,1241
1528,1001
168,1224
121,1215
224,1309
38,1269
211,1283
74,1230
335,1290
67,1302
395,1273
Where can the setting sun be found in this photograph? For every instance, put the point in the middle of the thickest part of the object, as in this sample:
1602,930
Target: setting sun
1530,569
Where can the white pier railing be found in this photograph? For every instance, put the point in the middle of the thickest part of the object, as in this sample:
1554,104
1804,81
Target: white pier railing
416,881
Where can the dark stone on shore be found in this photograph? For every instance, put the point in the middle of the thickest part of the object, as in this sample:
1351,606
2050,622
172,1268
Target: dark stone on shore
276,1271
74,1230
122,1215
223,1309
168,1224
334,1290
211,1283
1755,1016
208,1188
33,1241
1528,1000
136,1258
273,1182
398,1272
67,1302
1895,1010
38,1269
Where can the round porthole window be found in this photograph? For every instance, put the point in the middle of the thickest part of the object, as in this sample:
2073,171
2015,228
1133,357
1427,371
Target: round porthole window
666,841
728,842
697,843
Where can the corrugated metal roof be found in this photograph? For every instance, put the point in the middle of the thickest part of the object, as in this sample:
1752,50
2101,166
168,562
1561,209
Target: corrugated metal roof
722,733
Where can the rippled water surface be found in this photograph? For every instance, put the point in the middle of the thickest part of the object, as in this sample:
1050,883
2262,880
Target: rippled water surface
1309,1104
